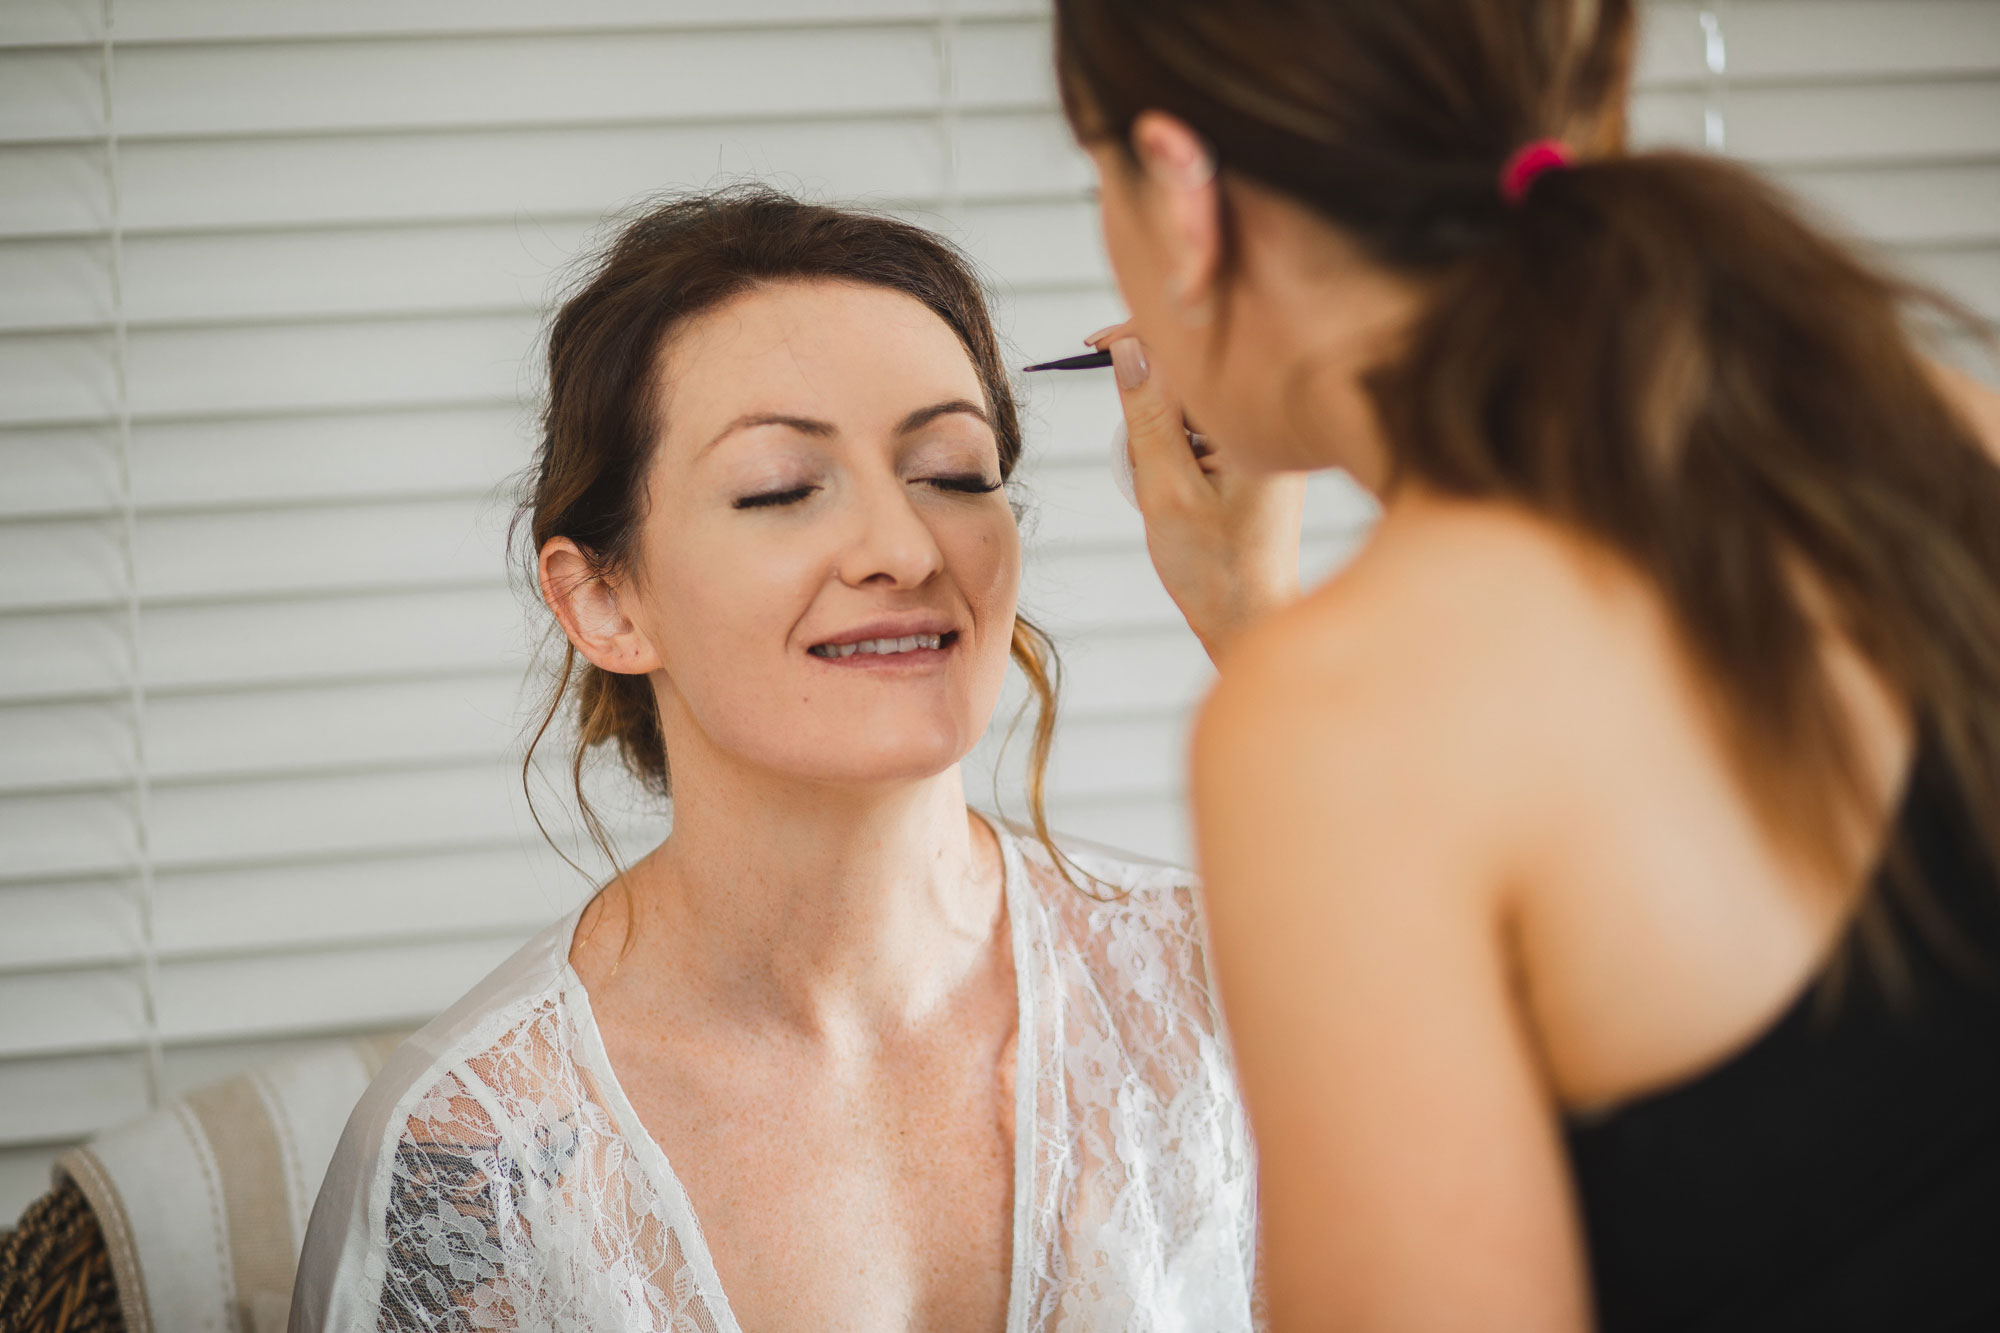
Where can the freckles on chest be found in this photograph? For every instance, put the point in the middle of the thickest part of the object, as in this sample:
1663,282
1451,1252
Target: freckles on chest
789,1144
896,1199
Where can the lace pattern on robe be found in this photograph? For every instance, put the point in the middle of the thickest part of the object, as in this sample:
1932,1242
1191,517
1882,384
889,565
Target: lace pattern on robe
500,1188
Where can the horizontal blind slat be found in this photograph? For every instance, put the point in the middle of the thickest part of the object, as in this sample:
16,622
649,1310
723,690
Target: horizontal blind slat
62,655
58,471
335,548
69,924
54,190
46,1013
1840,124
51,22
1972,276
197,825
66,745
1920,205
52,1098
276,461
1821,39
295,907
57,377
58,1014
322,992
184,20
248,369
435,631
67,834
55,94
269,89
455,175
61,562
80,654
396,723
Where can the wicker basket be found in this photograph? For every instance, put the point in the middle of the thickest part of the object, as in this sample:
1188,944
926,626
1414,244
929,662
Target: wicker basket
55,1274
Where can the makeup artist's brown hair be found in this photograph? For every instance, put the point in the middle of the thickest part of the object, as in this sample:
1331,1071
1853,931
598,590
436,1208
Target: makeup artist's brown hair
1653,350
588,481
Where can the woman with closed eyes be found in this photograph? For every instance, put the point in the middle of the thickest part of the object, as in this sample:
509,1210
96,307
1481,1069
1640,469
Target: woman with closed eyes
839,1053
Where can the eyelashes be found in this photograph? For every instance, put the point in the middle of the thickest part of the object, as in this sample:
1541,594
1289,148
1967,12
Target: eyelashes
771,499
971,483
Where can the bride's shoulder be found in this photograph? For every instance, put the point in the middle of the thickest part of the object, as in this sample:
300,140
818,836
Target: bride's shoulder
510,1041
463,1113
1128,916
1099,874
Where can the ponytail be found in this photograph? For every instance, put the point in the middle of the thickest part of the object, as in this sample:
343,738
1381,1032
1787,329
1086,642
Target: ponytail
1658,353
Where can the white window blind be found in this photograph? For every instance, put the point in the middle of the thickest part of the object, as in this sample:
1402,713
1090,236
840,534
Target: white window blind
271,278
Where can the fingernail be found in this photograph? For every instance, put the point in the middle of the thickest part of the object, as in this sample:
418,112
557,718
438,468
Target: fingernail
1128,358
1090,339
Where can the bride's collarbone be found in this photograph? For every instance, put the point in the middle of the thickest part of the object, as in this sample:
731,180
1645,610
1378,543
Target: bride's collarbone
853,1192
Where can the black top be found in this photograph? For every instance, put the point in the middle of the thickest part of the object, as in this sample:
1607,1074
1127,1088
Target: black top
1843,1170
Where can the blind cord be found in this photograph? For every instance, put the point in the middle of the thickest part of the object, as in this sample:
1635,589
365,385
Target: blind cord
947,55
1715,58
142,787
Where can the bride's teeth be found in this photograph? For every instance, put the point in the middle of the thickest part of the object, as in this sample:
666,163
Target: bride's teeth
906,644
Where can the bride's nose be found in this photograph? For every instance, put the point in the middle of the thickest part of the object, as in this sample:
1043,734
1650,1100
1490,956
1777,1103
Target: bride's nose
887,540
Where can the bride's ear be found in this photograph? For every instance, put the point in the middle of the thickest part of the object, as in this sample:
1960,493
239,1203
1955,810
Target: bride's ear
590,607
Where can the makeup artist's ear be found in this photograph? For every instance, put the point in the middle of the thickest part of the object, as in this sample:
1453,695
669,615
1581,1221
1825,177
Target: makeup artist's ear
1187,206
588,607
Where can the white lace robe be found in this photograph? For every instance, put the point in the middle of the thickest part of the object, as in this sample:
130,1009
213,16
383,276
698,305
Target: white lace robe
495,1176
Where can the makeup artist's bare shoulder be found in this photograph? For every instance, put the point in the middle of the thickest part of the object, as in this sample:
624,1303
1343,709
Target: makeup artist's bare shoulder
1978,404
1460,641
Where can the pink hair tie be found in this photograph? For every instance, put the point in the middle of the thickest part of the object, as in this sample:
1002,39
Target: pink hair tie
1528,162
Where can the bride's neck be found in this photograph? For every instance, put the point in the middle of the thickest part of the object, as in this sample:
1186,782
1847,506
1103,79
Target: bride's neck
828,906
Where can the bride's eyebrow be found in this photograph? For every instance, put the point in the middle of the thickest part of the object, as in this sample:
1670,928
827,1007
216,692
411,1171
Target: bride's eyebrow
924,416
824,430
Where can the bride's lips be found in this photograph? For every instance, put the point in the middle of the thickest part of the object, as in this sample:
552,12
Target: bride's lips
888,644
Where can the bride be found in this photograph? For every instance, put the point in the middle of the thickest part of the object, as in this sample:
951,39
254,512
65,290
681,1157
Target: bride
839,1053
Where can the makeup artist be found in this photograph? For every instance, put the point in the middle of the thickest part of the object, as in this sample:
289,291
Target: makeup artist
1602,865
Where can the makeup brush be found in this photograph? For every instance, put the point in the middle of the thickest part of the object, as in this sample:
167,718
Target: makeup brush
1087,361
1121,461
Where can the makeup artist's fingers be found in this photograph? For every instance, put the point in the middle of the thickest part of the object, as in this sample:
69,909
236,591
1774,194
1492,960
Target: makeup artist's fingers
1163,466
1225,542
1108,334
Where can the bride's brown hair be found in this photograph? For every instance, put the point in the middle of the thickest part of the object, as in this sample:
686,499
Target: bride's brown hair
601,420
1653,350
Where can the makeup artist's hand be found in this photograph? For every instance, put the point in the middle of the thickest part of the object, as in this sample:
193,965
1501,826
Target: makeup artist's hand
1224,542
